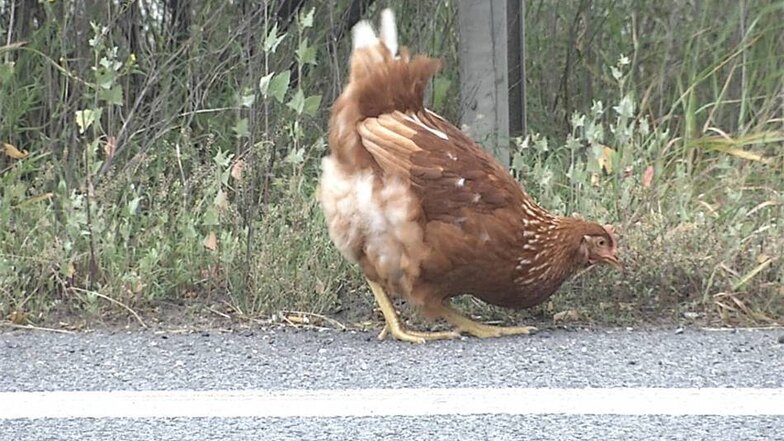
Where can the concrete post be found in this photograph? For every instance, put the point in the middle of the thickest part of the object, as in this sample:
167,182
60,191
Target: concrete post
492,71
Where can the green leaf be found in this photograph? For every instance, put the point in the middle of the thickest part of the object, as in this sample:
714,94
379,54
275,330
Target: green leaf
210,216
112,96
85,118
6,71
541,145
241,128
279,85
616,73
594,133
440,87
312,104
297,103
626,107
597,109
518,162
272,40
296,156
306,54
306,20
578,120
223,158
247,98
133,206
572,143
264,83
111,64
105,78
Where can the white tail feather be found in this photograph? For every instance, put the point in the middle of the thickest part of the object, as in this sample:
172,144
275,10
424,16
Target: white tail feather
364,35
388,31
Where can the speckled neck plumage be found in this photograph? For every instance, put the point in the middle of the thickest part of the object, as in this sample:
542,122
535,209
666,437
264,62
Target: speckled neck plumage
548,254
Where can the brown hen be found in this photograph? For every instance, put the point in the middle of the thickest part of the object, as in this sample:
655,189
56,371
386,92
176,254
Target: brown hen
426,212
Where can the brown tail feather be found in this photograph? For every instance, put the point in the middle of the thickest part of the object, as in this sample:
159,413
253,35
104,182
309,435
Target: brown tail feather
380,81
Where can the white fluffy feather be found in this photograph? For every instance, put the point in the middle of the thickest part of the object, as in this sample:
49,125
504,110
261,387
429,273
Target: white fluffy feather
364,35
388,31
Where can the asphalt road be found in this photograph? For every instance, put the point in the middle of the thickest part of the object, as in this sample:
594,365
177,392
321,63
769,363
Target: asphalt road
285,359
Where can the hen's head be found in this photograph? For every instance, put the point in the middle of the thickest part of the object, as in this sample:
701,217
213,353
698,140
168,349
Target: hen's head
599,246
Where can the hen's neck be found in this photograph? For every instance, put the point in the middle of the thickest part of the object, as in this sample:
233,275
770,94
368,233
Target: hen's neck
549,253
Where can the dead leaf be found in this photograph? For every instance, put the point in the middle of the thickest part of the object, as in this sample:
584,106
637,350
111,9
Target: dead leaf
237,169
605,161
320,286
744,154
110,147
595,180
221,200
13,152
647,176
570,315
18,317
365,325
37,198
211,241
297,319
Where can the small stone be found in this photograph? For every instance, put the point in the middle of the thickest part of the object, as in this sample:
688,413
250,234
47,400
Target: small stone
679,331
781,339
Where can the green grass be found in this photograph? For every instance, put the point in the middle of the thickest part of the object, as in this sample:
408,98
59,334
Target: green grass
166,172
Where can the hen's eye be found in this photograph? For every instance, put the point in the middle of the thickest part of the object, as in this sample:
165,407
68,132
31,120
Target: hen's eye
601,242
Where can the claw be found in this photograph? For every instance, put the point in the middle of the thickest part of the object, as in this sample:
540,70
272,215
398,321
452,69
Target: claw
481,330
393,325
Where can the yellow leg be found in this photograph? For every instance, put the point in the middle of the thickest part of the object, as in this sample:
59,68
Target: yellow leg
393,325
481,330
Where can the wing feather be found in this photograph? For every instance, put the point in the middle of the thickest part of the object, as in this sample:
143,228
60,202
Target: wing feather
390,147
386,159
453,176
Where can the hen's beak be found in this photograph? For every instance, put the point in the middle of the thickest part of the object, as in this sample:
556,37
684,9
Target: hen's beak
613,260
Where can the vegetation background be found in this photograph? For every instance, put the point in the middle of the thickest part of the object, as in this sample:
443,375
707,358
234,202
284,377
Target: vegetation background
159,157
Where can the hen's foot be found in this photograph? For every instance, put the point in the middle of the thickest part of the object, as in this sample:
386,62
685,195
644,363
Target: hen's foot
393,325
415,336
481,330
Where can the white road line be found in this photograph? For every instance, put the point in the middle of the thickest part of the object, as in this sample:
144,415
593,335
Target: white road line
391,402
